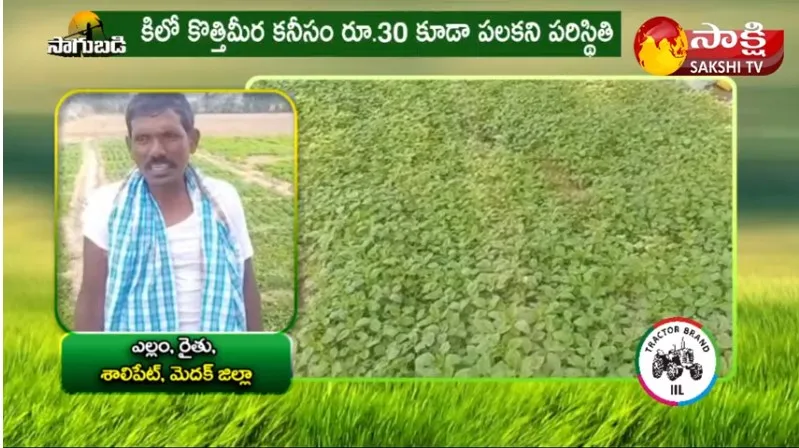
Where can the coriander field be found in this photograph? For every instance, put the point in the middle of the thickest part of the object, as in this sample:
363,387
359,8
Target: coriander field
241,149
507,228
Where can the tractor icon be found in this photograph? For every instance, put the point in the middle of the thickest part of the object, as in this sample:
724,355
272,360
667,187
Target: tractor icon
674,362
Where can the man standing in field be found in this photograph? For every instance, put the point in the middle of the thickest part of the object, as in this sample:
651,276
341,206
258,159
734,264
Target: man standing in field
167,249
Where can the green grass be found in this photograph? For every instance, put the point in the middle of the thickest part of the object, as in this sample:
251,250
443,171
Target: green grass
282,169
269,219
484,228
758,407
237,149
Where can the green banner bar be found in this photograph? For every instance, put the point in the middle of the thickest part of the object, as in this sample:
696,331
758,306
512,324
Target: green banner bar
361,34
176,363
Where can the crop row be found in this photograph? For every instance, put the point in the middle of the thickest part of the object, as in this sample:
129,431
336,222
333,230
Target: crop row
508,228
281,169
70,159
69,162
271,156
115,159
239,149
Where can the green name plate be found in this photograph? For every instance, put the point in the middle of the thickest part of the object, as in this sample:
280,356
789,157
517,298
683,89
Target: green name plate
176,363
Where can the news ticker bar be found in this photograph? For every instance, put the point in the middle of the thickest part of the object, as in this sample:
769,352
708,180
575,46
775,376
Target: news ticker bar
365,34
176,363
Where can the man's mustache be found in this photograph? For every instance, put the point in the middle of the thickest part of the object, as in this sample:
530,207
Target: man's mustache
158,161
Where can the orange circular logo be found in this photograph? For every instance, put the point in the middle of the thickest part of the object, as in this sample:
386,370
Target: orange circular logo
86,24
660,46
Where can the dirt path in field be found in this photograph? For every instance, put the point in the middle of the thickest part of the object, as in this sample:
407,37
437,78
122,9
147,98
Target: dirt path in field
253,162
247,173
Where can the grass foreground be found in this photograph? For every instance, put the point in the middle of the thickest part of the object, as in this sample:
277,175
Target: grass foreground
759,406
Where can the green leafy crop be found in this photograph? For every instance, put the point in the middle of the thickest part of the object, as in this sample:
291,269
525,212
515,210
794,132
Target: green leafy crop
507,228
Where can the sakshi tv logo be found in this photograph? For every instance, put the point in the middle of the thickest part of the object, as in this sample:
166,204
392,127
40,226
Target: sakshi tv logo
663,47
86,37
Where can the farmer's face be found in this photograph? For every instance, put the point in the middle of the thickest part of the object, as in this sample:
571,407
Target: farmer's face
161,147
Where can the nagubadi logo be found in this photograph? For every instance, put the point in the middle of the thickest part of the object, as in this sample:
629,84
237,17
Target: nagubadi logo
662,47
677,361
86,37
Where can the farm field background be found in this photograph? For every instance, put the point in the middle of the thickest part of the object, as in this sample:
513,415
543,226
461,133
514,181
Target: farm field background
243,149
475,229
758,405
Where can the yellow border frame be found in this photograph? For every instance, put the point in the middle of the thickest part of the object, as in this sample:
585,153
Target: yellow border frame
296,202
714,80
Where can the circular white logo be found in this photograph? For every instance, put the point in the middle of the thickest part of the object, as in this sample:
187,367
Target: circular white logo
676,361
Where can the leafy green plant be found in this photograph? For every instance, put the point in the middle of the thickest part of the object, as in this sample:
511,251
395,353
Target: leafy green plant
69,161
507,228
115,158
271,157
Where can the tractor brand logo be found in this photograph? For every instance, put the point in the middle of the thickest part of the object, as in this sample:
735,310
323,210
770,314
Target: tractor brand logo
86,37
676,361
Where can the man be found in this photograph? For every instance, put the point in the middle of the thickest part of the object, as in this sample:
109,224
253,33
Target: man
167,249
